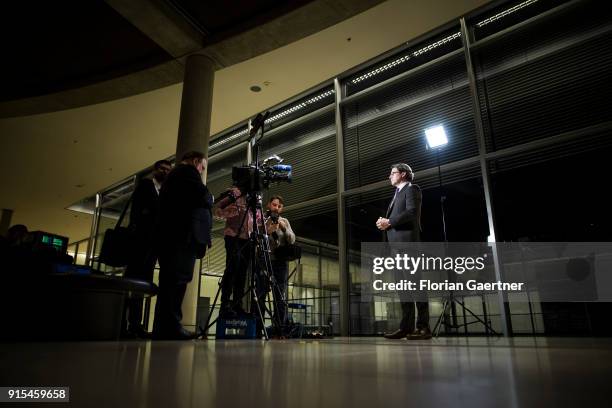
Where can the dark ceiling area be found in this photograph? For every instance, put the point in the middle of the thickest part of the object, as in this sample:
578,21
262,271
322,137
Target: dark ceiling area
219,19
57,46
54,46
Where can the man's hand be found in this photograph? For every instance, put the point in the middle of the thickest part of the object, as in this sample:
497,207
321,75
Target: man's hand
383,224
282,224
271,227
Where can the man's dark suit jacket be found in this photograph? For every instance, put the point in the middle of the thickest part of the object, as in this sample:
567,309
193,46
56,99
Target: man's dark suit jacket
404,214
143,213
185,211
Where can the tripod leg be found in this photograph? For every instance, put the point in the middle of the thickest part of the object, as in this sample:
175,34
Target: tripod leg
208,322
252,290
267,270
278,300
270,285
436,330
280,303
453,316
486,324
259,312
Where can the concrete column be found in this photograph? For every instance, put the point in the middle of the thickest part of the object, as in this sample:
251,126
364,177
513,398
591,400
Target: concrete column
194,134
196,106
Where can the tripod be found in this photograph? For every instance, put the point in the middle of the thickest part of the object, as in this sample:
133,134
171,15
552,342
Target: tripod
261,276
259,268
450,301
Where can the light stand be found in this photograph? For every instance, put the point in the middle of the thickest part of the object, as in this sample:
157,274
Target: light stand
450,299
436,140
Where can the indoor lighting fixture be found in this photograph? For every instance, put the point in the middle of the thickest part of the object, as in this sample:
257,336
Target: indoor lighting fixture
436,137
277,116
505,13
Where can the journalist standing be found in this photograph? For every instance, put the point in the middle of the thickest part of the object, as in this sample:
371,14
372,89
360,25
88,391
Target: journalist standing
143,215
281,235
185,221
402,223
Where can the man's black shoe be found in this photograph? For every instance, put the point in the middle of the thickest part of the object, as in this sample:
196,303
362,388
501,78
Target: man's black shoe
135,332
420,334
398,334
128,335
181,334
141,333
185,335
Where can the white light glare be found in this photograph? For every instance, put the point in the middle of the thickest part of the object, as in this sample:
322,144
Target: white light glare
436,137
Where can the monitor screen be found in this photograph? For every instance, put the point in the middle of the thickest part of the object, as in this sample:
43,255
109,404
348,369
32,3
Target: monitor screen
46,239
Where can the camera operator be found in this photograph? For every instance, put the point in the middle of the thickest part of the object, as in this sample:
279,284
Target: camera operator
238,224
280,235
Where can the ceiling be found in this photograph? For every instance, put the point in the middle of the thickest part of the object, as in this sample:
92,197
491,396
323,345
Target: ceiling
96,96
47,56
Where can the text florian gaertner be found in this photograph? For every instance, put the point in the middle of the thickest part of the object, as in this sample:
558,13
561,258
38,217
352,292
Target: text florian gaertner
459,265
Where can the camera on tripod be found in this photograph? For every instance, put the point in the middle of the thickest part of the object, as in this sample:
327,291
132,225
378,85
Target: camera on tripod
273,216
251,179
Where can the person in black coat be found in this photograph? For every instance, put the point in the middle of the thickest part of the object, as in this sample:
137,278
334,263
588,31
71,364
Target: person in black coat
183,235
143,215
402,223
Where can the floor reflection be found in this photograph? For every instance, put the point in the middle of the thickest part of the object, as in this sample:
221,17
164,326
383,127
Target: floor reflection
357,372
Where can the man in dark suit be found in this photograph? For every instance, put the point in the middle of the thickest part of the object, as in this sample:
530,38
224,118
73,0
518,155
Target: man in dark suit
183,235
143,215
403,224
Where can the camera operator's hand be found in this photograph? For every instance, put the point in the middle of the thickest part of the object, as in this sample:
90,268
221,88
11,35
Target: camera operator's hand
282,224
271,226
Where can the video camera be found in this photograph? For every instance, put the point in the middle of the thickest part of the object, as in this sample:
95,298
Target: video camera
252,179
273,216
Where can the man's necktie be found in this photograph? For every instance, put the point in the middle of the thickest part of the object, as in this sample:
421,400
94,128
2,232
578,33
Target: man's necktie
394,197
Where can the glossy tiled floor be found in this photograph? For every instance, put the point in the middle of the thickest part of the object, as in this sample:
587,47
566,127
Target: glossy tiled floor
357,372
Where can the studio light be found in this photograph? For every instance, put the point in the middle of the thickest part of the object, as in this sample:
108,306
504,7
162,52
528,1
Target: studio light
436,140
436,137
